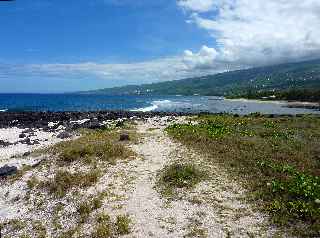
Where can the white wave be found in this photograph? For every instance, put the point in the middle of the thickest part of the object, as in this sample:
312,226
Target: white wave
145,109
3,110
154,106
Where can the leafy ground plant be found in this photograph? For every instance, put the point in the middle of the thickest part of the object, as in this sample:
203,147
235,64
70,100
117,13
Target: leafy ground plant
276,160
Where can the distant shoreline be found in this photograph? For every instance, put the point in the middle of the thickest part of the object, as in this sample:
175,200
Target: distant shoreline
285,103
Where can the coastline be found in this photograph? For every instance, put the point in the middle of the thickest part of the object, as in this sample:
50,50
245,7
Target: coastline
289,104
24,132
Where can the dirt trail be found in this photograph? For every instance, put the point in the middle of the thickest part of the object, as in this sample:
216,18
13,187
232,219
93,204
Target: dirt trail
214,208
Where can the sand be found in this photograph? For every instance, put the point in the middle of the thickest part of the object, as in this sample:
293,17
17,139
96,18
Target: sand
11,135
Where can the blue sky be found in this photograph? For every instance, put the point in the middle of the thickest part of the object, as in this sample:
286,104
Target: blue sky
59,45
59,31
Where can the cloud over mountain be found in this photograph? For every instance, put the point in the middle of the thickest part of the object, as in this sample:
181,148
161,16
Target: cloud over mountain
257,32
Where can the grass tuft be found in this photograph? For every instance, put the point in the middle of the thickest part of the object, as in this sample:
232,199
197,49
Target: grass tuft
63,181
106,228
87,207
123,224
32,182
179,176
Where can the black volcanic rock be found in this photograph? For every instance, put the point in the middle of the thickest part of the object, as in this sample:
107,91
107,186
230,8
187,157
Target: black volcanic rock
26,141
124,137
93,125
64,135
4,143
36,120
22,135
8,170
28,131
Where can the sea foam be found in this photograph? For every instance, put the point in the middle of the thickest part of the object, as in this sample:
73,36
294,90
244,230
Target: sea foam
154,105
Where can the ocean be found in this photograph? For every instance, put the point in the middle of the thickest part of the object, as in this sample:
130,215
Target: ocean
81,102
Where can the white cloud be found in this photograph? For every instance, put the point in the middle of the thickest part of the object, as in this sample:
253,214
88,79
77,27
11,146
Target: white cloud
203,59
119,74
196,5
258,32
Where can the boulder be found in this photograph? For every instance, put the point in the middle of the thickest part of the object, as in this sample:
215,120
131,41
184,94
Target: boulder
36,142
64,135
120,123
22,135
124,137
4,143
26,141
28,131
25,154
8,170
94,125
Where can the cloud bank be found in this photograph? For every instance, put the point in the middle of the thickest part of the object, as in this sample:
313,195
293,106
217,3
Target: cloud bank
111,74
255,32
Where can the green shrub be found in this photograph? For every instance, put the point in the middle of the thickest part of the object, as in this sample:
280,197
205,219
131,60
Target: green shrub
294,193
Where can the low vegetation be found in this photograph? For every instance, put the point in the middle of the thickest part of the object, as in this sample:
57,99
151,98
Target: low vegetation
106,228
87,207
70,178
63,181
123,224
276,159
93,145
177,176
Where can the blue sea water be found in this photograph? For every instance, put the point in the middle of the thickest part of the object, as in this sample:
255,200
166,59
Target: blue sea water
81,102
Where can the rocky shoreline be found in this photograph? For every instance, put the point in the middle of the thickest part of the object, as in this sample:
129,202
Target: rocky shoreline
92,120
23,132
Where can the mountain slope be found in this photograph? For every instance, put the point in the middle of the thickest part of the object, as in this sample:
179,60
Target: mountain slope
302,75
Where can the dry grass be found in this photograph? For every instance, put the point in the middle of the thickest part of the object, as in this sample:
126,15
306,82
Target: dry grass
93,145
63,181
123,224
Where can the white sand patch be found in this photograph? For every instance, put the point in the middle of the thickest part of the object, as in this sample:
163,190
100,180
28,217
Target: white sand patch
12,135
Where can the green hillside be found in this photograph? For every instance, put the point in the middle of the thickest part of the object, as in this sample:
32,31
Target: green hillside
284,77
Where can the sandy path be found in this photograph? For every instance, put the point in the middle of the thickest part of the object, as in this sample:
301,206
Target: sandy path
215,208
